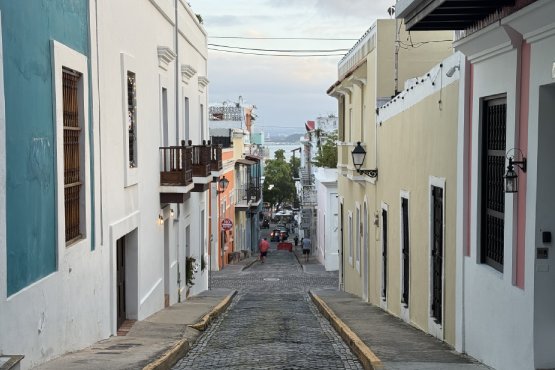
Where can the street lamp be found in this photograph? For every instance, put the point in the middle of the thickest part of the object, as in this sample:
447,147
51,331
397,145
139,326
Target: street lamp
222,185
511,177
359,154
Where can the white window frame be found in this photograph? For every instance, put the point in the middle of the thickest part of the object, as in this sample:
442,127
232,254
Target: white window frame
131,174
63,56
434,328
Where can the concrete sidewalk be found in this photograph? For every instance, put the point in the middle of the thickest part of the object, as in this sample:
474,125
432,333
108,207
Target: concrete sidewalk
383,341
154,343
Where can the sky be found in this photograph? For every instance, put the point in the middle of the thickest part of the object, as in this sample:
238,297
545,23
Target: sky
287,91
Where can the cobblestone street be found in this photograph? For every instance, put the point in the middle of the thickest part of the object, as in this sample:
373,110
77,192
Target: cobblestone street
272,323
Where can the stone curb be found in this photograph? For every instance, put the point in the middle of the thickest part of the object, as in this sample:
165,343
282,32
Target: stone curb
182,346
365,355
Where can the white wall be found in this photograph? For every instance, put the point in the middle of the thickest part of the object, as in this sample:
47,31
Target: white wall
503,325
328,226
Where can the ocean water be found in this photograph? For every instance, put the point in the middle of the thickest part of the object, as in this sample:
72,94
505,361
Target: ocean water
287,147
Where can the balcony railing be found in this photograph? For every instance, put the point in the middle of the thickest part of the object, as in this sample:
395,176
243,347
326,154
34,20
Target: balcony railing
216,163
176,165
201,160
247,196
224,141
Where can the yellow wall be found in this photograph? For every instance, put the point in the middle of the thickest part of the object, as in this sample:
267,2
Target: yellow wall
411,147
416,144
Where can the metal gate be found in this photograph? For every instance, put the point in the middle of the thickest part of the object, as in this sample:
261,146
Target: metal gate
406,261
492,232
437,254
384,253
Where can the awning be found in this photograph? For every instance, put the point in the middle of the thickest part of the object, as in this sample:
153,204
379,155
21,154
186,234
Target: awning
245,162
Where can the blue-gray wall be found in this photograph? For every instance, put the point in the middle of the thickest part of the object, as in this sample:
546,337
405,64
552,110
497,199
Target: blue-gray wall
27,28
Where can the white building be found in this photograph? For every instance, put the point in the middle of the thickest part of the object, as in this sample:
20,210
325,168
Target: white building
130,77
327,249
505,256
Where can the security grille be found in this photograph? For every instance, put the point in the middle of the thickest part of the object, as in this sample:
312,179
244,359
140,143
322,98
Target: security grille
72,161
494,130
132,118
437,253
406,261
384,253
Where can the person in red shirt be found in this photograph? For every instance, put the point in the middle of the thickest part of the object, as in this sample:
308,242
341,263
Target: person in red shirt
263,247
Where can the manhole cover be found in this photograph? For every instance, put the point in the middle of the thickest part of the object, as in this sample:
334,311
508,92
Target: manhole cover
271,279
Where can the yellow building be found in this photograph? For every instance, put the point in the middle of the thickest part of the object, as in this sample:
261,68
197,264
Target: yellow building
408,135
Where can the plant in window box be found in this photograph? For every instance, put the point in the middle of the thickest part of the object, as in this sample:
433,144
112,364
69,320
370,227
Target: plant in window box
190,269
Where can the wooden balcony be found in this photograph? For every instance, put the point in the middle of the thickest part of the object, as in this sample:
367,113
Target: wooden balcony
176,173
216,163
202,161
176,165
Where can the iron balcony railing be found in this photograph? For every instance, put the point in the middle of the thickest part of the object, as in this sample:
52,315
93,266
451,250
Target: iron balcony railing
176,165
247,196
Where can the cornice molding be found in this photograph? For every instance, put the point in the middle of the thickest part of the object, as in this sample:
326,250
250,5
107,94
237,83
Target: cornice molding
187,71
165,57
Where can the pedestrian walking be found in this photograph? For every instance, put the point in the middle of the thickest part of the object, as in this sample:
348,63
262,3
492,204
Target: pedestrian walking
306,248
263,246
296,239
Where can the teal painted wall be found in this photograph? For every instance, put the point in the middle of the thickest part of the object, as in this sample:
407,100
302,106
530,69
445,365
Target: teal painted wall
27,27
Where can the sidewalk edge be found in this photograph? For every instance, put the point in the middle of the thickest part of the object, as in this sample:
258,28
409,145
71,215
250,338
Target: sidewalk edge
182,346
249,264
170,357
215,312
368,359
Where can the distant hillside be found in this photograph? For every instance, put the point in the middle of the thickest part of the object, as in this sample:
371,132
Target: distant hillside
293,138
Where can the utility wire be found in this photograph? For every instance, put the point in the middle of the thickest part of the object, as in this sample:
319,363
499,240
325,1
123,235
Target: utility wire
281,38
277,55
280,50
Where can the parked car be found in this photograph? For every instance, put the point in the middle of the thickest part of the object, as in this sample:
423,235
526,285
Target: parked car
275,235
265,224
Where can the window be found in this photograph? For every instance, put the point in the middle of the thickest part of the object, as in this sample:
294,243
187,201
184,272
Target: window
357,238
405,257
132,118
71,116
384,253
165,124
492,204
201,122
186,119
350,124
437,218
72,155
350,236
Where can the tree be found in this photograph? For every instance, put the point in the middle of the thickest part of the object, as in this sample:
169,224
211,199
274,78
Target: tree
279,186
295,164
327,153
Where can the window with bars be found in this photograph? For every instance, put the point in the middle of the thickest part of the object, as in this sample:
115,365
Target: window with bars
132,118
494,129
405,251
72,155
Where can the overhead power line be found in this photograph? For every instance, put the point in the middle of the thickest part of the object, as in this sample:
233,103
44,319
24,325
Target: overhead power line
281,38
277,55
281,50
